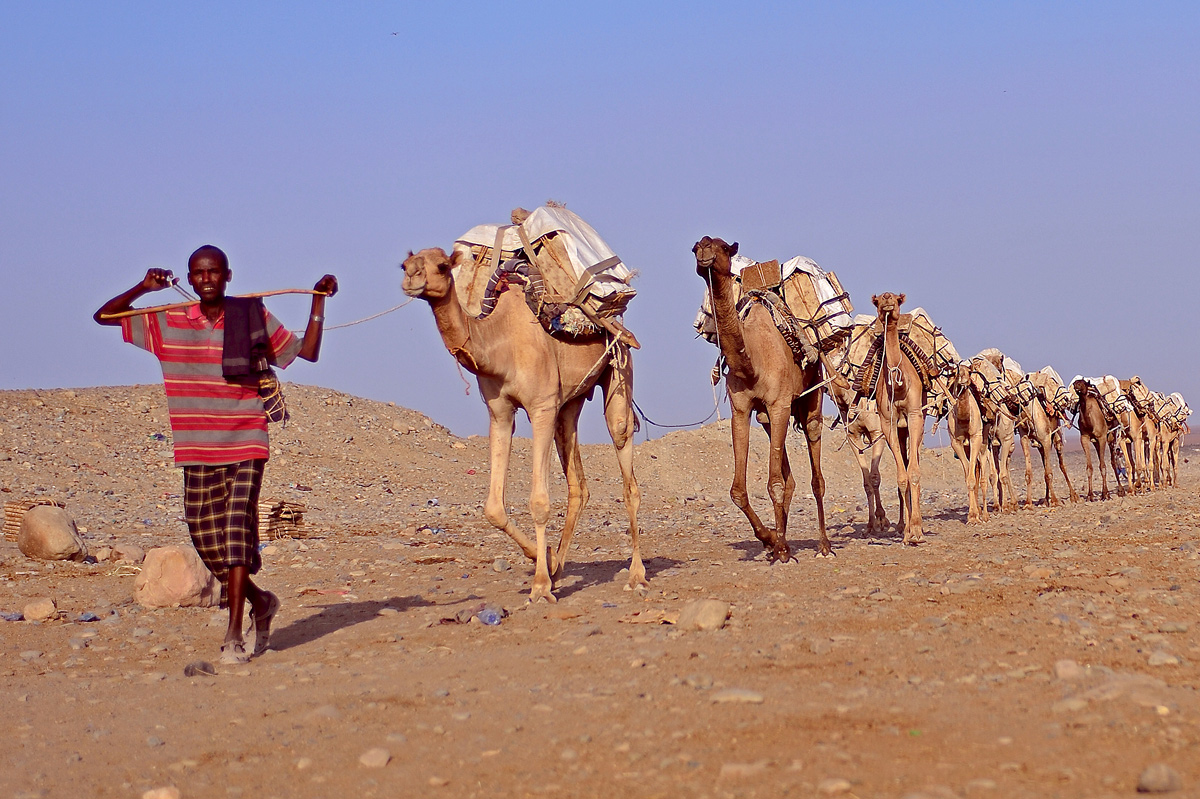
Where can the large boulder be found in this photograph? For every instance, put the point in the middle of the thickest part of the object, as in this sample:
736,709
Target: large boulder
49,533
175,577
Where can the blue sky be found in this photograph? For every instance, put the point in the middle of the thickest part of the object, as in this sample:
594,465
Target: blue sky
1027,172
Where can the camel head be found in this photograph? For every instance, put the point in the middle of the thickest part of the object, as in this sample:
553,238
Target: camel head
887,303
714,254
427,273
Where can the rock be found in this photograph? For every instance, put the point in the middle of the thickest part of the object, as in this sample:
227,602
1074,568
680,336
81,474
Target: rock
740,695
40,610
304,763
175,576
102,554
1068,670
127,553
169,792
49,533
1159,658
1159,778
1070,705
1174,627
199,668
375,758
831,786
30,655
704,614
500,565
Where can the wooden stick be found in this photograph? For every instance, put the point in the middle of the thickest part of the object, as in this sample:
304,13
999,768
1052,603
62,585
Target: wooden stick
173,306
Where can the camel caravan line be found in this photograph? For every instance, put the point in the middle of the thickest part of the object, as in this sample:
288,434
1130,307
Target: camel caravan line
534,309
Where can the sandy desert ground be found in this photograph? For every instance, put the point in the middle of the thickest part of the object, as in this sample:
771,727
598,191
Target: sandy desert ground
1048,653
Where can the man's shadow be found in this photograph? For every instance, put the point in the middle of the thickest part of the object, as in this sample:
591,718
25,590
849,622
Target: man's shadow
334,617
602,572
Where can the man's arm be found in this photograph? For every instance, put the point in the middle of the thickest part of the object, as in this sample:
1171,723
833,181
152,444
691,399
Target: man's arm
154,280
310,348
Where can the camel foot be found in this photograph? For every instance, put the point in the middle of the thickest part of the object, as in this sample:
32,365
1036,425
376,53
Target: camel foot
914,537
826,552
782,553
637,577
541,590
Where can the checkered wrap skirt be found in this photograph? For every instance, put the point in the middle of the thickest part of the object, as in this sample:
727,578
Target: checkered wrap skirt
220,505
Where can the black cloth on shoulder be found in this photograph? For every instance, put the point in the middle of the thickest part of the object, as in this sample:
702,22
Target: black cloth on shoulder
247,347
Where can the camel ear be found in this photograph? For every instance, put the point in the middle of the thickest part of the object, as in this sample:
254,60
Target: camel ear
875,300
695,247
457,256
900,300
733,248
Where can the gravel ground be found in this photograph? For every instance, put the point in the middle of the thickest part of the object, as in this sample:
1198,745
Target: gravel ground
1047,653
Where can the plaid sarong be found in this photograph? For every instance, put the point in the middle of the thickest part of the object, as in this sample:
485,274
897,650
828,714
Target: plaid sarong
221,508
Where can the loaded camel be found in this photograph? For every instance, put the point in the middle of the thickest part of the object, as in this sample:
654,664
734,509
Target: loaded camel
1000,427
1093,431
1143,433
1040,425
900,397
860,419
519,365
964,420
764,377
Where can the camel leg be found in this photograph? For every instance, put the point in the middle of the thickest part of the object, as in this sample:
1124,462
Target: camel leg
1028,472
914,533
813,423
970,475
740,427
618,414
776,430
879,521
543,423
892,433
1043,449
1008,495
500,431
1056,439
1086,443
1104,493
566,441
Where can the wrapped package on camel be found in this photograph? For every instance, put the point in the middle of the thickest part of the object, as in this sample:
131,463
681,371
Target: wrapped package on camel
1017,388
1113,399
574,283
923,342
1054,395
804,300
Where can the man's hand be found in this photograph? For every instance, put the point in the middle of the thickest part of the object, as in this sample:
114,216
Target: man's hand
156,279
327,285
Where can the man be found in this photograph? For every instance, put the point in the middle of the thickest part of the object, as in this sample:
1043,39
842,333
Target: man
217,418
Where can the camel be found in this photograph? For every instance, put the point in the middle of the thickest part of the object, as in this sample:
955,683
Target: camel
1040,424
999,423
1142,432
860,418
1093,430
1175,415
900,395
518,365
964,420
764,376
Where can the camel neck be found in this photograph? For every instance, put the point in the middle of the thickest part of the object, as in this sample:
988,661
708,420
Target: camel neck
729,326
459,332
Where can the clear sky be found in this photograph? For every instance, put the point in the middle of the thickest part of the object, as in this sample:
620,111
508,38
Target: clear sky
1027,172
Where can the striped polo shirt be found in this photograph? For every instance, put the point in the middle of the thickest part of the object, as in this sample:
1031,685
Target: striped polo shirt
214,421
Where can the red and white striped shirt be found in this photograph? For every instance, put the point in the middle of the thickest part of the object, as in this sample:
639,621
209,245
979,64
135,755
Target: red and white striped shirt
214,421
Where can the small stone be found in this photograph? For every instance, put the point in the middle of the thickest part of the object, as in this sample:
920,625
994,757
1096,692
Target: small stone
704,614
1161,658
102,554
154,741
438,782
1174,627
500,565
324,712
77,643
1159,778
980,785
740,771
30,655
820,646
41,610
199,668
831,786
304,763
1069,705
375,758
738,695
168,792
1068,670
128,553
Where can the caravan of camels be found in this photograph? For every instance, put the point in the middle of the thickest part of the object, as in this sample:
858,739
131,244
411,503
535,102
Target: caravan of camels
786,336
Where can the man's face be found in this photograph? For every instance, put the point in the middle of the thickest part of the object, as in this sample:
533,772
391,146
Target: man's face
208,275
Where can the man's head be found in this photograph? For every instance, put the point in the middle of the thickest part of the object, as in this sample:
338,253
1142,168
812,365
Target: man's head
209,272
